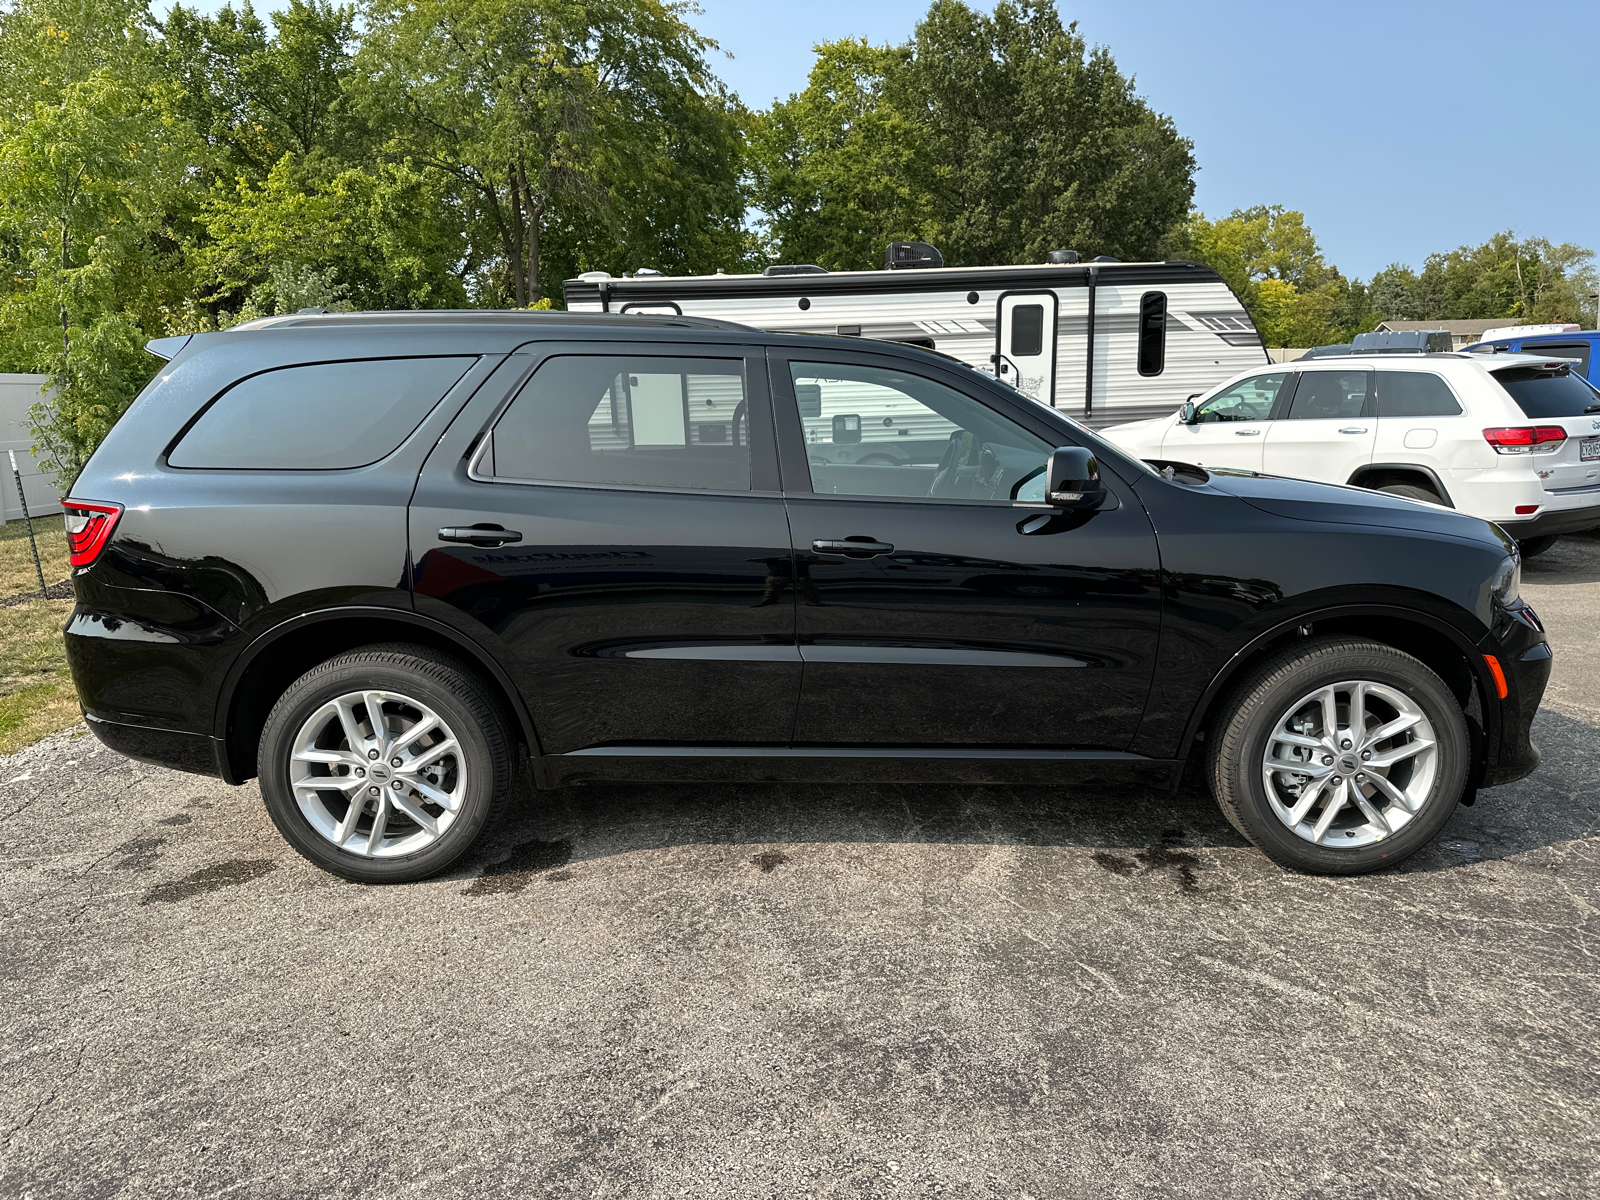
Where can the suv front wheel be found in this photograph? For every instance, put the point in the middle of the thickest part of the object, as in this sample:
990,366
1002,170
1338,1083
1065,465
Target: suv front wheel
1339,757
384,764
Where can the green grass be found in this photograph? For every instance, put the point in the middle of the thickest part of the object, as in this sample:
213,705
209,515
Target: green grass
17,574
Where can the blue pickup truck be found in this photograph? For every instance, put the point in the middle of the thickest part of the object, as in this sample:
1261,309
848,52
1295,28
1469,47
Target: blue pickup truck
1572,343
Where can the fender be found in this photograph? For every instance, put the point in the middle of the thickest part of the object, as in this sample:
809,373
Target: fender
471,649
1469,650
1417,468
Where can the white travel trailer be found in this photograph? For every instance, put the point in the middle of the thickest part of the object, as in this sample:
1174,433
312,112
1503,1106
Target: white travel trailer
1161,332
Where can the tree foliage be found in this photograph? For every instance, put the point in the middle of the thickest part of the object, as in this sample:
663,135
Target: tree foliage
997,137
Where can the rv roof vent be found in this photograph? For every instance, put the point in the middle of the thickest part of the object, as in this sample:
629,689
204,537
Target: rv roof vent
1105,258
1061,256
647,273
903,255
595,275
796,269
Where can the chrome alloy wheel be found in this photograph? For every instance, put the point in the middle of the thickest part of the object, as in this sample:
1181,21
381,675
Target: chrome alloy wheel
378,774
1350,764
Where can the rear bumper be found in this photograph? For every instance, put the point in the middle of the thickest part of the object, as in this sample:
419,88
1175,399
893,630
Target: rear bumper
193,752
1555,520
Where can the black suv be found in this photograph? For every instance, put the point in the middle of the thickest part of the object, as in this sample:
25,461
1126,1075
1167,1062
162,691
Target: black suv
388,561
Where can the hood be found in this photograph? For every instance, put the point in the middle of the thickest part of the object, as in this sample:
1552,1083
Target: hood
1301,500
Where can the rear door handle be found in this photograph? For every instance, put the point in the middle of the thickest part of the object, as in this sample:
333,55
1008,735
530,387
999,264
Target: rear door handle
1354,429
479,535
1247,433
853,547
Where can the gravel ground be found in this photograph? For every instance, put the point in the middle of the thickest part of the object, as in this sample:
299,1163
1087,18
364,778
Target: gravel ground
778,991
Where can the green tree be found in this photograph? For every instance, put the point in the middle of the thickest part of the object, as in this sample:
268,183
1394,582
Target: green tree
90,154
997,137
545,114
1528,280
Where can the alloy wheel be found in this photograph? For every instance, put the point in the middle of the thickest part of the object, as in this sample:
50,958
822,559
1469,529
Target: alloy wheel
1350,764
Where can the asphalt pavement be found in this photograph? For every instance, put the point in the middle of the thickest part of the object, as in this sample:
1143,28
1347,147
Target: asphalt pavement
764,991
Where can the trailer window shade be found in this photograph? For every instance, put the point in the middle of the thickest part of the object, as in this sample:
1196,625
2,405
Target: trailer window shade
1027,330
1152,333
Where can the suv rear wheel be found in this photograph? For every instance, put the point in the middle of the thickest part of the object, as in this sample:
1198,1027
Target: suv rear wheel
385,764
1339,757
1411,491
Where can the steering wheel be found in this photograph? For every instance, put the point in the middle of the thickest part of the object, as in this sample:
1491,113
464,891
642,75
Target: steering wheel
968,469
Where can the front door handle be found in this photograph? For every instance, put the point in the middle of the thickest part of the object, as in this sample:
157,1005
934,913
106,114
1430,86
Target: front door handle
479,535
1247,433
1354,429
852,547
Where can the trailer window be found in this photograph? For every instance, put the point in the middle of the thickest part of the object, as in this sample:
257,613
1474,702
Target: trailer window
1152,333
1027,331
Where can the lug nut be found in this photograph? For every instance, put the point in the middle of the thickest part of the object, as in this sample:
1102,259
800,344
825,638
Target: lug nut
1345,745
1366,754
395,761
1327,760
1361,778
362,772
1338,779
372,791
372,754
397,785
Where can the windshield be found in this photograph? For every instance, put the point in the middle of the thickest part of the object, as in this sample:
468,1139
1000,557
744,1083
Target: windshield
1543,393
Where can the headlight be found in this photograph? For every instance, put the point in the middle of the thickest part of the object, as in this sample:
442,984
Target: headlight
1506,585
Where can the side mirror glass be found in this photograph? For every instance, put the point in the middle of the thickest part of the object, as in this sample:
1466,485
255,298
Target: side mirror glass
846,429
809,396
1187,415
1073,479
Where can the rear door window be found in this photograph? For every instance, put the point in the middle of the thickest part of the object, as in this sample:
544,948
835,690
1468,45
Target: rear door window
1329,395
1542,393
317,417
626,421
1414,394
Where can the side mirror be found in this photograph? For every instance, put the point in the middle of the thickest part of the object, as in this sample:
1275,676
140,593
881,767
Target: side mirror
1072,479
1188,414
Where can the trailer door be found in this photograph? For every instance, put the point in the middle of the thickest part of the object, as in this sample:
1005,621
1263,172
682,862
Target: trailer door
1026,343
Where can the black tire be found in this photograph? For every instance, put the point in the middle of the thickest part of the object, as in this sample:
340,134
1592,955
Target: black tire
472,713
1239,741
1412,491
1537,545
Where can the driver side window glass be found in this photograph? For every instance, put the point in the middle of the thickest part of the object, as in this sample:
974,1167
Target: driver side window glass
628,421
875,431
1249,400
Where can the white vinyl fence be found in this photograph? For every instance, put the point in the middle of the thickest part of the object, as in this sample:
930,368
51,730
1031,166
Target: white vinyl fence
17,394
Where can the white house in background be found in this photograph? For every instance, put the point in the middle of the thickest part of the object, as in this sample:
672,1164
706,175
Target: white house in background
18,393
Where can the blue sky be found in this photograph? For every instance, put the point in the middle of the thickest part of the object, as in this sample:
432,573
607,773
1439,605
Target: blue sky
1399,128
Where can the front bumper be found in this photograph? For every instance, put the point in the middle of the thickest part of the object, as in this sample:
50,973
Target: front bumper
1519,644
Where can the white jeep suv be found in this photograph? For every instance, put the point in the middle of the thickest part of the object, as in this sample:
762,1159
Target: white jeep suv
1512,438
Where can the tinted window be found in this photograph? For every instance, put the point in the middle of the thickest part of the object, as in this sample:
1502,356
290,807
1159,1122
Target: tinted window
319,417
1249,400
1577,350
1027,330
1152,333
635,421
1557,393
1414,394
1329,395
882,432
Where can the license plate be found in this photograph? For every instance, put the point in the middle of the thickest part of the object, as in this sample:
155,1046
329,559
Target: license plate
1589,449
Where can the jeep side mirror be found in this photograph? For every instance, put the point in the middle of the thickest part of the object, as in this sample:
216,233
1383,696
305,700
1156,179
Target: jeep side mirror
1072,479
1188,414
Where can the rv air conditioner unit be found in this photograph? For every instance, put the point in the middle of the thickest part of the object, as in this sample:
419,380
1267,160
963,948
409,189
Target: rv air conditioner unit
903,255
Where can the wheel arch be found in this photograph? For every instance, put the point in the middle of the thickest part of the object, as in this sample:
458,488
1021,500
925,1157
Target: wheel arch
1440,646
256,678
1375,475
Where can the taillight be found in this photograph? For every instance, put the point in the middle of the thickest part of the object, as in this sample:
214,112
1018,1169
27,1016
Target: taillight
1526,439
89,527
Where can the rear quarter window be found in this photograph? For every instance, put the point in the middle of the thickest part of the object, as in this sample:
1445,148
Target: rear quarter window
1414,394
1542,393
319,416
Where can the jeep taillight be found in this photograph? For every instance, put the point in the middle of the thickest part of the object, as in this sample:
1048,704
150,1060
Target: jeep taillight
1526,439
89,527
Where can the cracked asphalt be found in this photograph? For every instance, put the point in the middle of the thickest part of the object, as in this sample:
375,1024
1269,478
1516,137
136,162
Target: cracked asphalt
762,991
